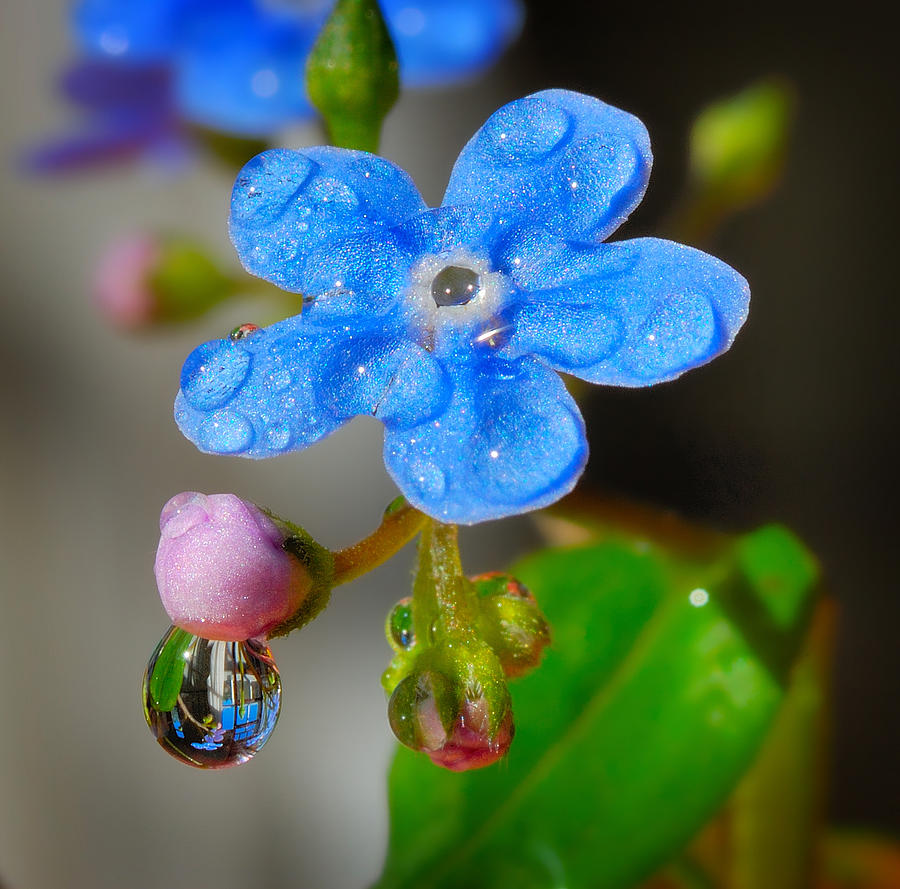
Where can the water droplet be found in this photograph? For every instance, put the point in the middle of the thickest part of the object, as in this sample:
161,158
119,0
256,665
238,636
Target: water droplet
211,704
525,132
302,226
226,432
241,331
455,286
278,437
213,374
428,479
281,379
400,625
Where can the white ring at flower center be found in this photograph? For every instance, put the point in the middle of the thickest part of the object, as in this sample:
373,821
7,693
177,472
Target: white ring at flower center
430,322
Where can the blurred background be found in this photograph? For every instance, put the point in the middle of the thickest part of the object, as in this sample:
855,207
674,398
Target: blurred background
793,424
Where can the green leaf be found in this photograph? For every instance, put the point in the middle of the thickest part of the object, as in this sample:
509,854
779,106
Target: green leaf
651,703
168,671
352,75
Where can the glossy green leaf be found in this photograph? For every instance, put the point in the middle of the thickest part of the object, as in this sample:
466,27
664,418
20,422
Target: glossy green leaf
352,75
168,671
664,674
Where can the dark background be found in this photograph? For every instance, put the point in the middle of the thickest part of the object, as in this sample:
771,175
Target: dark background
796,423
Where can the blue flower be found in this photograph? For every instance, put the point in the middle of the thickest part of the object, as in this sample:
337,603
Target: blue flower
237,65
449,324
128,113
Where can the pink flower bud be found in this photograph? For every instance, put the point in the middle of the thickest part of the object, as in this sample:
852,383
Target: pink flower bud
221,570
122,286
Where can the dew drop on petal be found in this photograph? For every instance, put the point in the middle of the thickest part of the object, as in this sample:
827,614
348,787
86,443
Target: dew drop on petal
211,704
525,132
226,432
278,437
430,480
213,374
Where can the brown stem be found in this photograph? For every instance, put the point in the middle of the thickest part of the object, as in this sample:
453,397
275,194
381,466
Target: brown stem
394,532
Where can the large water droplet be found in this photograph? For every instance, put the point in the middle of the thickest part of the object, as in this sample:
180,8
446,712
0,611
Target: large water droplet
213,373
455,285
211,704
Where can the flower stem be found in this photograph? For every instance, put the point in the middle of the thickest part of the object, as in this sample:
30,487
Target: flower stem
395,531
441,597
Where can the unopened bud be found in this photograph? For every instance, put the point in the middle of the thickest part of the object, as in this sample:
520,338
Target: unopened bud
427,715
512,622
144,279
222,569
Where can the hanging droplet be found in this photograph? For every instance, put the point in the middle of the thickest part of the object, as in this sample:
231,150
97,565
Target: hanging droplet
400,625
242,330
455,286
211,704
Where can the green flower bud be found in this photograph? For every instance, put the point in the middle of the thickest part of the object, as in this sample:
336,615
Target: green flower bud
511,622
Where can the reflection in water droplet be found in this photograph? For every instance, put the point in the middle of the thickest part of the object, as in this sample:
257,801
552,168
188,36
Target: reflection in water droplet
211,704
242,331
400,625
455,286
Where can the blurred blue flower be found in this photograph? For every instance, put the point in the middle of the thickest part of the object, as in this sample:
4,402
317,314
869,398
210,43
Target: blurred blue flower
237,66
449,324
128,113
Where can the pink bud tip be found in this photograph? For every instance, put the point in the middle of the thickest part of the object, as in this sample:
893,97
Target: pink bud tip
221,570
469,746
122,287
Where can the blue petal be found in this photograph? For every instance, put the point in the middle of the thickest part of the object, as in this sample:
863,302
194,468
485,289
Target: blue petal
558,159
108,141
244,73
104,86
441,41
318,222
133,30
285,387
631,313
510,440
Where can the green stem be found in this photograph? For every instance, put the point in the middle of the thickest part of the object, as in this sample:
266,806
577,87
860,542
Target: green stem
441,597
394,532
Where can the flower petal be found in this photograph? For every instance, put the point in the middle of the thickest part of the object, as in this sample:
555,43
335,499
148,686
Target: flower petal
257,396
242,73
127,30
318,222
285,387
510,440
555,158
441,41
631,313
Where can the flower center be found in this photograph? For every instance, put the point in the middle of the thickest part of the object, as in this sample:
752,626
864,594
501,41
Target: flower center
455,285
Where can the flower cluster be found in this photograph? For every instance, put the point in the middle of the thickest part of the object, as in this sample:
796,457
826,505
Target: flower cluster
237,66
450,324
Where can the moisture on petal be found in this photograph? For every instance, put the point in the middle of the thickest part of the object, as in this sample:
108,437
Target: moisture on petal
632,313
559,159
318,222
